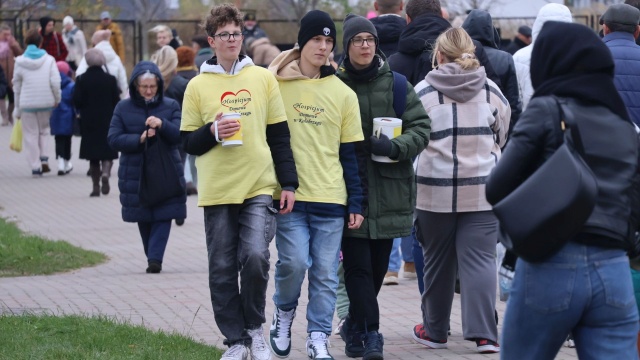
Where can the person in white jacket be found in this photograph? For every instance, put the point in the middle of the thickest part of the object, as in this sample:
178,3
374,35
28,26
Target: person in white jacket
100,41
36,83
522,57
75,41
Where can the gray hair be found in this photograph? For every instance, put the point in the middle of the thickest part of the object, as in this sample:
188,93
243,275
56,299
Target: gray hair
144,76
95,57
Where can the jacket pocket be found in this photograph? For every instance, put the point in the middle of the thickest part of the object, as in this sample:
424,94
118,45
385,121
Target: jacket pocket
395,188
270,223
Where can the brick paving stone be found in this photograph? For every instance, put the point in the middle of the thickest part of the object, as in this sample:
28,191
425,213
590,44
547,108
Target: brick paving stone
59,207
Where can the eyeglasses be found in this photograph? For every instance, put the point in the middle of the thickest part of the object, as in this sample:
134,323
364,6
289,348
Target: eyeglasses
358,42
225,36
148,87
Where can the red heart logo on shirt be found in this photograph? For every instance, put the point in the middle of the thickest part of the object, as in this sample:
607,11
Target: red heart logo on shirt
238,99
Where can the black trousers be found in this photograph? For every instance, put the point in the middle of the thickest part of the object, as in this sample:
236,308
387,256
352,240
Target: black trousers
63,146
365,263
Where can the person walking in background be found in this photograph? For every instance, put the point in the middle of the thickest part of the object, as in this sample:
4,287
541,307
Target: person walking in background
186,65
62,118
52,41
204,52
164,36
96,95
145,115
390,186
75,41
9,50
455,225
585,287
325,133
389,23
113,66
522,39
236,184
252,29
116,41
36,83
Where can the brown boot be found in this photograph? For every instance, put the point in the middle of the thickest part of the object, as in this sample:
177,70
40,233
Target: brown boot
106,174
95,179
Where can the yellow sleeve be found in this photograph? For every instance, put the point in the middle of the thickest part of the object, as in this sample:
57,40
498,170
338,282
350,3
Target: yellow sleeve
351,125
191,115
276,111
119,42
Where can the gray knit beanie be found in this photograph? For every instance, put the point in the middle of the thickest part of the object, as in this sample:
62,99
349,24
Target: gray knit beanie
353,25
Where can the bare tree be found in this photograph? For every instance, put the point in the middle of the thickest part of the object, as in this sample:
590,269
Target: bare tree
147,10
461,6
293,10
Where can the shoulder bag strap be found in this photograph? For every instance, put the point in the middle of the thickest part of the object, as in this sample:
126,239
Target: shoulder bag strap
567,119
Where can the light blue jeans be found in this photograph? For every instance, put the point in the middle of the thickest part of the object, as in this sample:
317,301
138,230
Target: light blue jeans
401,251
585,290
308,242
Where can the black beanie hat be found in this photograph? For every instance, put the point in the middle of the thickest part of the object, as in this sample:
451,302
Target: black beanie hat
44,21
354,25
314,23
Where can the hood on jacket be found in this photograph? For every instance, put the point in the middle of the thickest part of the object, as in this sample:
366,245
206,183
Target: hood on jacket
64,80
107,50
139,69
421,34
286,66
479,26
211,65
32,59
389,27
550,12
456,83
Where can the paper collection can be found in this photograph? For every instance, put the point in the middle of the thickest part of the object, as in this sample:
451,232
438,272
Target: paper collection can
391,127
236,139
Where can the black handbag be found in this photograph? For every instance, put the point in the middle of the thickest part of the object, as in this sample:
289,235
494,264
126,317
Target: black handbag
159,178
552,205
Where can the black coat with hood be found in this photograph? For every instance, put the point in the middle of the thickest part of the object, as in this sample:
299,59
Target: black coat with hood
415,46
127,124
389,27
480,27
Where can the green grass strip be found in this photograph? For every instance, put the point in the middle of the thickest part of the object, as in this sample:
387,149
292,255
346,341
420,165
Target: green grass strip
26,255
72,337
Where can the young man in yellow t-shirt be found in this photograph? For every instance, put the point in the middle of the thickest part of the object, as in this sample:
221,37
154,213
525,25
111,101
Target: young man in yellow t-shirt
236,184
324,119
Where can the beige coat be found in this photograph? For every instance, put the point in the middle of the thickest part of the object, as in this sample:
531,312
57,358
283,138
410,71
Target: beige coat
8,63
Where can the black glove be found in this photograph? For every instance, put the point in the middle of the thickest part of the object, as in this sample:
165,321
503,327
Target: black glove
380,146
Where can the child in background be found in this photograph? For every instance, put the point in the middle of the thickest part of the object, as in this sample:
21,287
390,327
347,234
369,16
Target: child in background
61,120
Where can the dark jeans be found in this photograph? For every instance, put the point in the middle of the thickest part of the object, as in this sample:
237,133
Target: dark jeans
238,237
365,263
63,146
155,236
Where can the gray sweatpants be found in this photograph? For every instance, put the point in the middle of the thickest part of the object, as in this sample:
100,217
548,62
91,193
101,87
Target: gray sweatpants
463,243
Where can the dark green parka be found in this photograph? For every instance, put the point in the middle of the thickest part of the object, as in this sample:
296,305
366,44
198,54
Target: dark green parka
391,187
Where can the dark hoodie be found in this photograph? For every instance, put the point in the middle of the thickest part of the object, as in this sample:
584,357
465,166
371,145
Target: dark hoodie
127,124
389,28
479,26
413,58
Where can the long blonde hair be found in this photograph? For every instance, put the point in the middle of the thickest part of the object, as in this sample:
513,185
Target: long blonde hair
167,60
456,46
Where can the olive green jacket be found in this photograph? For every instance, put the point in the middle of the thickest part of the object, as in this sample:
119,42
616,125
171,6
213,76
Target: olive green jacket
391,187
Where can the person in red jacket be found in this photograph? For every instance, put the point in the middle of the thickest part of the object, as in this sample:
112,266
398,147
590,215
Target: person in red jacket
52,41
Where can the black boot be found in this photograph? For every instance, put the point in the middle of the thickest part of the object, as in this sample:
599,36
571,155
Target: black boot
106,174
94,170
154,267
352,339
373,343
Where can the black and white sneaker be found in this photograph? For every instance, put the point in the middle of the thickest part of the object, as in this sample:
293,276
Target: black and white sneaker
280,332
318,346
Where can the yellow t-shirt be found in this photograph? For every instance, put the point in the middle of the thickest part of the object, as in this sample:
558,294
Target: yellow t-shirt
229,175
321,114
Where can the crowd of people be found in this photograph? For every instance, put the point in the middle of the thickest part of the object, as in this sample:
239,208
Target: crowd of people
287,146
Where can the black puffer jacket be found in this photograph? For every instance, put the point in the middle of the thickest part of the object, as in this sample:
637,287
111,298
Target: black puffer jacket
480,27
611,148
389,28
413,58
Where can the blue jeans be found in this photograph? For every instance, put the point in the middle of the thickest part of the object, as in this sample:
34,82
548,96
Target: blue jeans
401,251
238,238
308,242
585,290
155,236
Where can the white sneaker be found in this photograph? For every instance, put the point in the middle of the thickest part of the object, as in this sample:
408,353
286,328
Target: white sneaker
259,348
236,352
340,323
280,332
317,346
67,166
61,166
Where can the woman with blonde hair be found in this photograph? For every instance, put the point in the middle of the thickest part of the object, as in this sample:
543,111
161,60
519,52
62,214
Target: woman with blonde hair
164,36
455,225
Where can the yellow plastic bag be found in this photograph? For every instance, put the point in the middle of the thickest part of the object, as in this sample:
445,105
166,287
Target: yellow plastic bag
15,143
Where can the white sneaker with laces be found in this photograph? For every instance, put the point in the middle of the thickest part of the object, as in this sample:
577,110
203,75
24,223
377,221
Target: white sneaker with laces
259,348
280,332
318,346
236,352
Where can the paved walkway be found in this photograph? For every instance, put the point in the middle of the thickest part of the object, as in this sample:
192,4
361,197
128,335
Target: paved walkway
59,207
